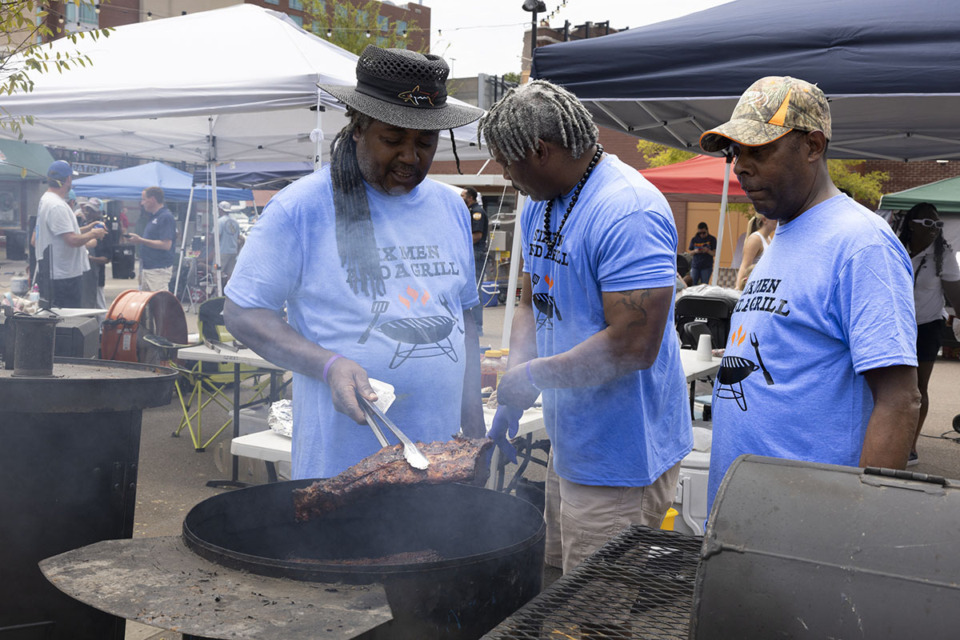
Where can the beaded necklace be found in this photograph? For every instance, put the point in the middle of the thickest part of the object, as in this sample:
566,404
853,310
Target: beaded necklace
551,238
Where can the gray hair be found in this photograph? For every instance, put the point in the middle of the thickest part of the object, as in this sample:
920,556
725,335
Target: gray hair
538,110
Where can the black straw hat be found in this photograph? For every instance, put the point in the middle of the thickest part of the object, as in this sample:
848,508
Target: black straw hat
404,89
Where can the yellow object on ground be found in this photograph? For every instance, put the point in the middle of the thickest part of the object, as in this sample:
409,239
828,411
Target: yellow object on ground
667,524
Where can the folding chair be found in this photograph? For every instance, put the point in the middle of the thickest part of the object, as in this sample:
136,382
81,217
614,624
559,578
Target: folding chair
202,383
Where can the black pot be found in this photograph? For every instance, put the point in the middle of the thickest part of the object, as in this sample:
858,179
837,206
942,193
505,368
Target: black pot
489,545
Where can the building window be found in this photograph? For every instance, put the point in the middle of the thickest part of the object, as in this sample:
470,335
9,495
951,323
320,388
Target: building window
296,5
276,2
82,17
383,23
298,20
401,27
382,42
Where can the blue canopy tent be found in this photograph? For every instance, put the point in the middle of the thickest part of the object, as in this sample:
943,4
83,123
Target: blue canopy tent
127,184
890,69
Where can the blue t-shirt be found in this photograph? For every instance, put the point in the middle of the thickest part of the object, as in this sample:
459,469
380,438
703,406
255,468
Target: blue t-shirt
412,337
620,236
831,299
162,226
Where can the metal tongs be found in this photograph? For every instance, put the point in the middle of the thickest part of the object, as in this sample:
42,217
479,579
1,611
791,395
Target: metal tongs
410,452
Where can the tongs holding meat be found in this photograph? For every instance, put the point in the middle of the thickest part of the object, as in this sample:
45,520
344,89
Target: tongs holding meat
410,452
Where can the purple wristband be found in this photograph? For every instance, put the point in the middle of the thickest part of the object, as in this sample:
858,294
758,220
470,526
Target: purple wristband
326,367
530,377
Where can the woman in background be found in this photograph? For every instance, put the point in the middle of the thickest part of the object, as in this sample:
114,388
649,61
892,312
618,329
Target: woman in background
759,234
935,274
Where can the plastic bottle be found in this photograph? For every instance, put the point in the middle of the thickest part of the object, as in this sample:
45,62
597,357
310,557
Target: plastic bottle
34,294
491,368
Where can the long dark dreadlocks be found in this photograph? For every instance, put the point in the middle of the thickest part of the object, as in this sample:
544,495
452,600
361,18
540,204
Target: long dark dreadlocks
356,243
901,226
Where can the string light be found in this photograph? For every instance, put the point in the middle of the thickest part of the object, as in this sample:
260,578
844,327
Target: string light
329,33
368,33
149,15
96,8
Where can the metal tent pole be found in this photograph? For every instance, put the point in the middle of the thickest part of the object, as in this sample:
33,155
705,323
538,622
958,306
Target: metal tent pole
723,219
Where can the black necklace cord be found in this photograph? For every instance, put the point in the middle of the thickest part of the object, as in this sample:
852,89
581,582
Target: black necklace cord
551,238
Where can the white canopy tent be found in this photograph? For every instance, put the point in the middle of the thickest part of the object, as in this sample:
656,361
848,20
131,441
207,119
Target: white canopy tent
237,83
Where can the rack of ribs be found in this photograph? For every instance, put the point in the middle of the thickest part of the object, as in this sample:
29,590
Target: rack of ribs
462,459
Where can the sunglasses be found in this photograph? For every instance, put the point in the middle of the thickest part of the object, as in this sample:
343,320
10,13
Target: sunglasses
927,222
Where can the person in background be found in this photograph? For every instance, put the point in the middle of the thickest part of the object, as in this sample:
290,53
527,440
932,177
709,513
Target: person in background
229,231
935,274
100,252
704,247
480,226
759,234
594,330
157,244
372,262
61,256
821,360
124,223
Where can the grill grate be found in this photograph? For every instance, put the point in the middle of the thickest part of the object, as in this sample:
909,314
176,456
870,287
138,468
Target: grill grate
638,585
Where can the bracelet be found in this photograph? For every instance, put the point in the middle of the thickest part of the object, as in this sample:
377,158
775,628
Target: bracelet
326,367
530,377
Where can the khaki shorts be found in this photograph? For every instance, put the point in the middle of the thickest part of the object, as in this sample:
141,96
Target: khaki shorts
582,518
155,279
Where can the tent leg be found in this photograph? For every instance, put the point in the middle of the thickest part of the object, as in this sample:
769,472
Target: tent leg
723,220
516,249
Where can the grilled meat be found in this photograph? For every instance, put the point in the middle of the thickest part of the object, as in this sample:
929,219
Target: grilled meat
458,460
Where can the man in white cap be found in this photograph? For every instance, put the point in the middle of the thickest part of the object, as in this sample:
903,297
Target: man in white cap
373,264
821,360
60,240
229,232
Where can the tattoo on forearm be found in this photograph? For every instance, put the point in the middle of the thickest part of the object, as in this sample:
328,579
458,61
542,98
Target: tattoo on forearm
635,301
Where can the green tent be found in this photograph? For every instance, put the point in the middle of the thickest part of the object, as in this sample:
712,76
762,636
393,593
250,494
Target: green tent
943,194
23,160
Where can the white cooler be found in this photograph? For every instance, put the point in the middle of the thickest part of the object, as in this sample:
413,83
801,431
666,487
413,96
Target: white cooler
691,500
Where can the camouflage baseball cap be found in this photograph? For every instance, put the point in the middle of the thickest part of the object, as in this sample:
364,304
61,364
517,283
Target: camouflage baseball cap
771,108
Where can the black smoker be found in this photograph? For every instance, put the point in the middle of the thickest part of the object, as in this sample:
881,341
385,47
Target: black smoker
68,478
429,562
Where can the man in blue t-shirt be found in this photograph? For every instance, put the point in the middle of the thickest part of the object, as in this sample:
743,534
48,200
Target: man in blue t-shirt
228,230
157,245
372,264
703,246
594,328
821,360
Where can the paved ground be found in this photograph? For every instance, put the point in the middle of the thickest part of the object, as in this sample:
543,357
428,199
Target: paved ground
173,477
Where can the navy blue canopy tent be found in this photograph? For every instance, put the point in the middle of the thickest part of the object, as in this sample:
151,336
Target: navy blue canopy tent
891,70
128,184
256,175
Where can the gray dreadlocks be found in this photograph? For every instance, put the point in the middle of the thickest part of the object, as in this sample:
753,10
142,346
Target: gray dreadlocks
356,243
539,110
